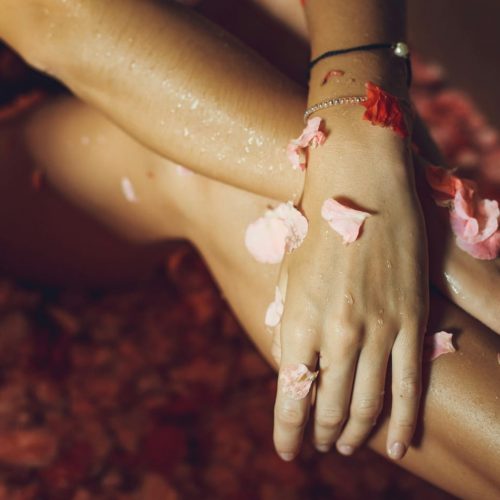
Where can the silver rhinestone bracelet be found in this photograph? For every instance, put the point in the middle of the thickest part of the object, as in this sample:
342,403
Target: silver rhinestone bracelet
328,103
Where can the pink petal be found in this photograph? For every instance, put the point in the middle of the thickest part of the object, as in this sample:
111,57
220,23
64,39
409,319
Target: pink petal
278,231
311,136
445,184
473,219
265,239
128,190
275,310
293,152
344,220
183,171
437,344
488,249
296,380
296,223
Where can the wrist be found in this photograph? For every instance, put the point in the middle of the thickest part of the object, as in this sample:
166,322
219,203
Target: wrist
380,67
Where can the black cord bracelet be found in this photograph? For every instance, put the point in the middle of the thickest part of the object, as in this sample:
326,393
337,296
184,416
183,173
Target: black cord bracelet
400,49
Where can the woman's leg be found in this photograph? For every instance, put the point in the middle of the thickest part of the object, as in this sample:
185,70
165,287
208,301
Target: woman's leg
458,442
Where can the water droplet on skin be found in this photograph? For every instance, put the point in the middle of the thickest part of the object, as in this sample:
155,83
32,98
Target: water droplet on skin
349,298
195,104
388,264
186,132
162,123
380,321
133,65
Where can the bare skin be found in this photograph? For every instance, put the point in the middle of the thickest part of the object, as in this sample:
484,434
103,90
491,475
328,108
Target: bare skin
461,392
145,223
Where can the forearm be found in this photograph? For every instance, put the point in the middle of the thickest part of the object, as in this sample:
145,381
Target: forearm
340,24
380,153
180,87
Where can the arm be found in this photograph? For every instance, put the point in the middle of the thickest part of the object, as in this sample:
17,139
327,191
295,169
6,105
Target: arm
349,308
102,52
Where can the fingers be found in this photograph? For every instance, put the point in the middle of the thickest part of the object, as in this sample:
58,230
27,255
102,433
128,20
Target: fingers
406,388
334,387
293,399
367,396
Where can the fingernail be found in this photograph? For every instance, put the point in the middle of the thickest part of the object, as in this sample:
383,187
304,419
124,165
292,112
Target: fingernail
345,449
397,450
323,448
287,457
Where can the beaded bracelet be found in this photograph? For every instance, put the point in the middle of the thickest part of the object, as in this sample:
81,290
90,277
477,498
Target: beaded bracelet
399,49
327,103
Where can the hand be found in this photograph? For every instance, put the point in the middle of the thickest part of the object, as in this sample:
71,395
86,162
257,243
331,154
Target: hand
349,307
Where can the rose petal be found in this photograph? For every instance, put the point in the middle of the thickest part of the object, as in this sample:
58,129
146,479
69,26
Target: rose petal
444,184
384,109
296,380
278,231
275,310
437,344
488,249
296,223
474,220
330,74
183,171
265,239
311,136
344,220
128,190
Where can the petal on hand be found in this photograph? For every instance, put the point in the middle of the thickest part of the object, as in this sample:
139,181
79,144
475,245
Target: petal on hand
275,310
278,231
344,220
438,344
311,136
296,223
296,380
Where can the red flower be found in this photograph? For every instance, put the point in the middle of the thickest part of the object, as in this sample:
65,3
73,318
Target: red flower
384,109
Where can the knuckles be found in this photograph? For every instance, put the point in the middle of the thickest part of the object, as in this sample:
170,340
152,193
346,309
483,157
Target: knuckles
330,418
290,416
409,386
